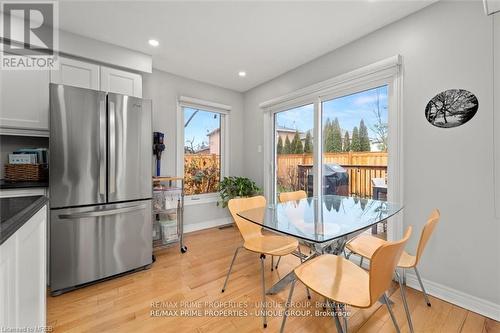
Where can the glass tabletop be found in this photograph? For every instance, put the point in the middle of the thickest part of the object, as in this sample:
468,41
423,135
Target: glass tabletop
322,219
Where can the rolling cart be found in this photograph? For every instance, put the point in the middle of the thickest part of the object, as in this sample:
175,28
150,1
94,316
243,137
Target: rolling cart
168,212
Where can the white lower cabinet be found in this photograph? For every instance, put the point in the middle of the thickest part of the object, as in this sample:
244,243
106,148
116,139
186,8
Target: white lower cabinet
22,275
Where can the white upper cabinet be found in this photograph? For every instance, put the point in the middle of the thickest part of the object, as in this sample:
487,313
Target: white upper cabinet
24,100
76,73
121,82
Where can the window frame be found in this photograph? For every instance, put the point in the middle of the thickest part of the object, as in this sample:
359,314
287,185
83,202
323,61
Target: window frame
224,112
386,72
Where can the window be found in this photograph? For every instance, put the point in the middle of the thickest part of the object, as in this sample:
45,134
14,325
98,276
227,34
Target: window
350,125
202,153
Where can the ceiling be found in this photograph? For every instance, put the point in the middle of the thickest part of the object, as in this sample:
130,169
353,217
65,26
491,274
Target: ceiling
213,41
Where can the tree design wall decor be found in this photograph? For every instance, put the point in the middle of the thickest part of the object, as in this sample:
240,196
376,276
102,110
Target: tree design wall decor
451,108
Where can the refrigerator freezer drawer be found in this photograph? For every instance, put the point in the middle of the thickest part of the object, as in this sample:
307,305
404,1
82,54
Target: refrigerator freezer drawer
91,243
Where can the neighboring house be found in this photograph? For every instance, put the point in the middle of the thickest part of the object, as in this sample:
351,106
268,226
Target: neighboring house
285,132
213,142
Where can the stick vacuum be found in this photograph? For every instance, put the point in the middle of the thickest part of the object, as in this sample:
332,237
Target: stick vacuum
158,148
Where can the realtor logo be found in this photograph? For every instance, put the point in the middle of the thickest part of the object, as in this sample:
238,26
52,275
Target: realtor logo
29,35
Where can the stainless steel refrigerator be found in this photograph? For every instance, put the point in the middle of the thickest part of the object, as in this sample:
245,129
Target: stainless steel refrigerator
100,185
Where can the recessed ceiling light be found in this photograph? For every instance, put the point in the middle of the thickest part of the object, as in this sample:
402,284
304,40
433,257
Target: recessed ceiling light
242,73
153,42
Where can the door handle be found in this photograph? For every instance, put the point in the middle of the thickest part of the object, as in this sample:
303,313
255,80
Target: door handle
102,148
98,213
112,148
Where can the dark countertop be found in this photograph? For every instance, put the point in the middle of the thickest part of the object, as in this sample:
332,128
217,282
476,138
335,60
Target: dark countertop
15,211
13,185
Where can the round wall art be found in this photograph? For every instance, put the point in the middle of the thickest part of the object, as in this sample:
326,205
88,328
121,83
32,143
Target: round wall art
451,108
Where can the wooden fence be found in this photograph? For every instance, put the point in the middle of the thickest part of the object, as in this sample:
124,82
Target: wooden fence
201,173
293,170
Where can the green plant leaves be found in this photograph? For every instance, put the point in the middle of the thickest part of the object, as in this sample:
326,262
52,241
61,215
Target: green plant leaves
233,187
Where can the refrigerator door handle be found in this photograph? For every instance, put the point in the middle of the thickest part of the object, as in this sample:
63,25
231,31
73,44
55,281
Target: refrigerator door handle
102,148
112,147
100,212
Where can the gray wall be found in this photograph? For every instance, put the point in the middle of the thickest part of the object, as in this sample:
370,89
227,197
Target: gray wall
446,45
164,90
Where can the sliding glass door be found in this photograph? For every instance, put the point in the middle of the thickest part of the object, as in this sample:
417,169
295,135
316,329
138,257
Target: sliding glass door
353,143
294,149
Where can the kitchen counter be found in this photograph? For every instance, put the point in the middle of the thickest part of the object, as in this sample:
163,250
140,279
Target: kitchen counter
14,185
16,211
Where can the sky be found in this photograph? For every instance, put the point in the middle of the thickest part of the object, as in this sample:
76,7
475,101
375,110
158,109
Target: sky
202,123
348,109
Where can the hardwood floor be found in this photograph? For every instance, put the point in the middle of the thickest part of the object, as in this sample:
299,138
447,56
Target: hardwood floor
125,304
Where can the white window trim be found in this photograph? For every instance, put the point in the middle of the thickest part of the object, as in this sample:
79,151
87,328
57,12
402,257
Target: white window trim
195,103
385,72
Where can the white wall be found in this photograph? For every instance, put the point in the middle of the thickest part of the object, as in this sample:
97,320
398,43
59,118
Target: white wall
164,90
447,45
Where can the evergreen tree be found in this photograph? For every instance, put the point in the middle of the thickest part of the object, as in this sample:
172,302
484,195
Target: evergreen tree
328,136
364,140
347,142
297,144
336,136
355,144
308,149
287,149
279,146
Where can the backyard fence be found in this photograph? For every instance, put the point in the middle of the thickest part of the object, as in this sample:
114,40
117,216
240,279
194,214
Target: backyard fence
293,170
201,173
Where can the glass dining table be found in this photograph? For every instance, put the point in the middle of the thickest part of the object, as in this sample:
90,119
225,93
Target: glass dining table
323,223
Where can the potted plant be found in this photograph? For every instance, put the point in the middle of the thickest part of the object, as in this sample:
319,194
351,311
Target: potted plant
236,187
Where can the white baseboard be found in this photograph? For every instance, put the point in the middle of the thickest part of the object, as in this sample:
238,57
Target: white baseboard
207,224
456,297
453,296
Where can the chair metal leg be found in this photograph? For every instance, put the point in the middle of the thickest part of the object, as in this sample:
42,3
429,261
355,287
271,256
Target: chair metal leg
301,261
422,286
389,308
287,306
338,325
361,261
264,308
405,303
230,268
342,308
272,263
278,263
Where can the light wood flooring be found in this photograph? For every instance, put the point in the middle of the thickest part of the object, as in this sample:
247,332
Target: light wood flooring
125,304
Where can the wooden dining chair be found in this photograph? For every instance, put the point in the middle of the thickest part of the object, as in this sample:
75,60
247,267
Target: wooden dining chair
255,241
292,196
344,283
365,246
284,197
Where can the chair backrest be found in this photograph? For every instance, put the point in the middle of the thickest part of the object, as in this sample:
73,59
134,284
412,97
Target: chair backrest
292,196
427,231
247,229
383,264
